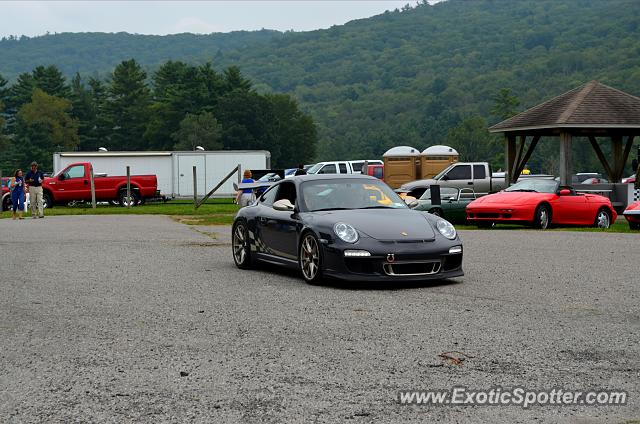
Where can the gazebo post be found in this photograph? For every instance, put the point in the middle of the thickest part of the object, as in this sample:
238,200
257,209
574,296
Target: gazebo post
510,158
566,167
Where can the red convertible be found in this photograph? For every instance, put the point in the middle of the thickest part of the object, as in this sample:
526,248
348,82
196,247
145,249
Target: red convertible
632,214
541,203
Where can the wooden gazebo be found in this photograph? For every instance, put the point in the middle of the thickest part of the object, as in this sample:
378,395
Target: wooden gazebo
591,110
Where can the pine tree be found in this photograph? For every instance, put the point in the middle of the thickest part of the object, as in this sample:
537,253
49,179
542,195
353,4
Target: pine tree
128,106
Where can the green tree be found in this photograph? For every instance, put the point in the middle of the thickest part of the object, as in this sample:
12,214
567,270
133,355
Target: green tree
473,141
235,81
128,106
505,105
50,80
294,132
198,130
44,126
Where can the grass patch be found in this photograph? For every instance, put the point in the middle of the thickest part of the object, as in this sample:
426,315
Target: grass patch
213,212
616,227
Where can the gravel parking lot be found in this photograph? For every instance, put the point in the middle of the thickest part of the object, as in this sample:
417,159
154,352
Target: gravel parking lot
142,319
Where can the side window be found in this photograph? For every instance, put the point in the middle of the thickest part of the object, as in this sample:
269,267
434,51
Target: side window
356,166
328,169
479,172
74,172
460,172
287,191
269,196
343,168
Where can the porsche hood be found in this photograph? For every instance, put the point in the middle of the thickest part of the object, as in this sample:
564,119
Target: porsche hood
385,224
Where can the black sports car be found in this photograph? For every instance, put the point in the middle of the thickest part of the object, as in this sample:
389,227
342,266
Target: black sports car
346,227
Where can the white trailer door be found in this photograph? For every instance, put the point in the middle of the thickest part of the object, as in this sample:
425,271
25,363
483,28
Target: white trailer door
185,174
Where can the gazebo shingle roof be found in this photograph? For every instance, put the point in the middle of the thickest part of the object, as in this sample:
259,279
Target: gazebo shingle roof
592,105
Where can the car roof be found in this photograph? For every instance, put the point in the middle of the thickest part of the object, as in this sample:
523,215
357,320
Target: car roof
315,177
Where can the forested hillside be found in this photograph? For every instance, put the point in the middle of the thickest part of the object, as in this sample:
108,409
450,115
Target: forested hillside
420,76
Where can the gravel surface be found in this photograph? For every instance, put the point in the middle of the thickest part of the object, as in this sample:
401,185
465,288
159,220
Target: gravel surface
141,319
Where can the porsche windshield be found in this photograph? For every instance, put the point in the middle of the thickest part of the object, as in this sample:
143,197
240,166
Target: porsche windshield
535,186
349,194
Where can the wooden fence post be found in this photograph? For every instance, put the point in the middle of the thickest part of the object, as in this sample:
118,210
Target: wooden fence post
195,188
128,187
93,187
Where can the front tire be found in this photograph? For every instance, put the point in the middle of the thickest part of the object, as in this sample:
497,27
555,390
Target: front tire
131,201
634,225
240,246
47,200
603,219
310,259
542,217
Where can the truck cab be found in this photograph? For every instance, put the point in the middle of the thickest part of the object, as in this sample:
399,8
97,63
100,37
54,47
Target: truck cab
340,167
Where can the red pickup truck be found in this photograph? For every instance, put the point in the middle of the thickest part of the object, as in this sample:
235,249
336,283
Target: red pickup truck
73,183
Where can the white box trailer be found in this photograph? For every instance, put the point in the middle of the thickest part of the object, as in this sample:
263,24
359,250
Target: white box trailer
174,170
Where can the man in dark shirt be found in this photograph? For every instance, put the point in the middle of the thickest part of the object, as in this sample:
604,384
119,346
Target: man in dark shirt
300,170
34,179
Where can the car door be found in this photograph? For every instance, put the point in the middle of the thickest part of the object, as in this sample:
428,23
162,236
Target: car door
278,229
74,185
329,168
460,175
480,180
570,209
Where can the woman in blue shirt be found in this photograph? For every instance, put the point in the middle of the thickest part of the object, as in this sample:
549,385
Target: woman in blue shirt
16,185
245,197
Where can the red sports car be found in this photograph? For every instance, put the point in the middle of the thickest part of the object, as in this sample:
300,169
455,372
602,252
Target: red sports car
632,214
540,203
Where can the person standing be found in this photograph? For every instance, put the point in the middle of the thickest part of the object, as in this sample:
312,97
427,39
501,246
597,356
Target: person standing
34,178
300,170
16,185
245,197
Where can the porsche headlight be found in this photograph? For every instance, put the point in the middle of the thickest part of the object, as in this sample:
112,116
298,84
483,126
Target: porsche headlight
446,229
345,232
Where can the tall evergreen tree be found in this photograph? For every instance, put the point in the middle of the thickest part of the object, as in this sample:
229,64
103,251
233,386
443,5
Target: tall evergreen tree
128,106
50,80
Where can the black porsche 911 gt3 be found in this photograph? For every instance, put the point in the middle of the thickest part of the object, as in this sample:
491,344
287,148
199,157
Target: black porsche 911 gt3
348,227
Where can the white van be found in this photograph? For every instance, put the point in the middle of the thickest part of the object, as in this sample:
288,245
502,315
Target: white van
341,167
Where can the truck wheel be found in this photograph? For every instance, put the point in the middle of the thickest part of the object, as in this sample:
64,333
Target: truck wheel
47,201
6,204
436,212
132,201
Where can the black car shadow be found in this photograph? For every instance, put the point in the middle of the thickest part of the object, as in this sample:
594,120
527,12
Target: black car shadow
357,285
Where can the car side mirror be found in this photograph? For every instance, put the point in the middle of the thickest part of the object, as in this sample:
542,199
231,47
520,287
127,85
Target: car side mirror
61,177
413,204
283,205
565,192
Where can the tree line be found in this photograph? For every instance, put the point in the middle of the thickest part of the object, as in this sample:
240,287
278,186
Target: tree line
180,106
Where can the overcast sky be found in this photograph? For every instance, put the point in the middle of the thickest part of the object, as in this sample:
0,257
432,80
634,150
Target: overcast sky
170,17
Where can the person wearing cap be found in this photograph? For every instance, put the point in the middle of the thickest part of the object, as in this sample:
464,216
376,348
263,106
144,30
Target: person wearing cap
34,179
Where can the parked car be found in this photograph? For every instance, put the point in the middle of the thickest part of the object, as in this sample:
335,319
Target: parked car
632,215
376,170
5,196
474,175
453,203
340,167
73,184
629,180
540,203
587,178
350,227
271,177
